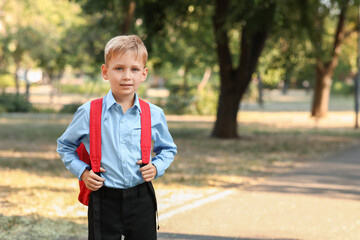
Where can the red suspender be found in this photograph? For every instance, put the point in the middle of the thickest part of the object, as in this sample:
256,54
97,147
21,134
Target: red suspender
95,134
95,147
145,141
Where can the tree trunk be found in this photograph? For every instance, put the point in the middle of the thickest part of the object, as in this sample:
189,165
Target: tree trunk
324,71
228,104
205,79
234,82
16,77
128,18
185,79
226,121
321,97
27,91
260,89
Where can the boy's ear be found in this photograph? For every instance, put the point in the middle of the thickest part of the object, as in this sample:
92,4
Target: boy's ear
144,74
104,71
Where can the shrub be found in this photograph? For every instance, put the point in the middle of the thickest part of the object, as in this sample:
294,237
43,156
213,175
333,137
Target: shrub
92,88
206,101
179,100
194,102
342,88
2,109
43,110
6,80
70,108
14,103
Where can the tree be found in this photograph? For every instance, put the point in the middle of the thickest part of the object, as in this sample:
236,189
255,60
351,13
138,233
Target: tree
183,39
252,20
36,33
105,19
318,17
255,19
287,50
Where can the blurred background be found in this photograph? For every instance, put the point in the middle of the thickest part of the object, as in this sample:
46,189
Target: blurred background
250,88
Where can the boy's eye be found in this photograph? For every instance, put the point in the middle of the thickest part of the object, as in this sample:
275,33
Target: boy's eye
135,69
119,68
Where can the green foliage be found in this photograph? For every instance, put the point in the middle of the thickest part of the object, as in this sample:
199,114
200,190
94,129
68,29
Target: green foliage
37,34
179,100
70,108
43,110
252,94
187,45
14,103
141,91
91,88
192,101
206,100
52,34
6,80
2,109
342,88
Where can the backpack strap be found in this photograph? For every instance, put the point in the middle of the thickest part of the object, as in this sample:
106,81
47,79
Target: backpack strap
95,158
95,134
145,141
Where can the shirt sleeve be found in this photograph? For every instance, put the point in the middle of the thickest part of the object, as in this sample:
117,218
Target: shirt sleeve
77,132
164,146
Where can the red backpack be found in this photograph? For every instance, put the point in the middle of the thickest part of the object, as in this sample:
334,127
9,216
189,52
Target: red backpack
94,158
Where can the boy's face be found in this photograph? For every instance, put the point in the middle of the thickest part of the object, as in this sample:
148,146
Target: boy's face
125,73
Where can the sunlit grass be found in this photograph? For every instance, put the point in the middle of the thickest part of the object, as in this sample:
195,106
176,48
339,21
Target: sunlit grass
38,195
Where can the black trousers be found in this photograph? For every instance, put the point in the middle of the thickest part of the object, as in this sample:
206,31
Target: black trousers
129,212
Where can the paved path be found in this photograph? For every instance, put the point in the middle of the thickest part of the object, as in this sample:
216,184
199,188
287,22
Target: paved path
317,200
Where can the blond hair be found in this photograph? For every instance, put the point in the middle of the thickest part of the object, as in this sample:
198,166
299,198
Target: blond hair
123,44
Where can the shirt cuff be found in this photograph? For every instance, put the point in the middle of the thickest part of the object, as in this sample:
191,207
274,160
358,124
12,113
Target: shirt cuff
160,168
78,167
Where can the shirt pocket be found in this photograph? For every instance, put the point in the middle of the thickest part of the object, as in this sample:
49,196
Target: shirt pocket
135,142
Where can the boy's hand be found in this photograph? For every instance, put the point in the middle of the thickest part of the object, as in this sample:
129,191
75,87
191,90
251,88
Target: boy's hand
148,171
93,181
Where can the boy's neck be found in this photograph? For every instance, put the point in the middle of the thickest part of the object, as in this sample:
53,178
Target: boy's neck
126,102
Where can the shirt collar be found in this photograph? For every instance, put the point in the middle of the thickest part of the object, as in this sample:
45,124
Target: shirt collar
137,103
110,101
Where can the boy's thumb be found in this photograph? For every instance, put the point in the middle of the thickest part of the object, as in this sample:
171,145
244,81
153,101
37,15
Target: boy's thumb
102,169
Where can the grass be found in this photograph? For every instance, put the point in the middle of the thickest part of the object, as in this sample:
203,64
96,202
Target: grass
38,195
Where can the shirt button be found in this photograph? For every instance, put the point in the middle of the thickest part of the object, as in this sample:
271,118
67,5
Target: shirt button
122,121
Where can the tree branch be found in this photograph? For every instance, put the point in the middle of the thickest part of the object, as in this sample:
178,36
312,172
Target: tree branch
339,37
252,43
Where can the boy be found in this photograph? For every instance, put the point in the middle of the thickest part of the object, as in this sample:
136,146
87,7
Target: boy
126,202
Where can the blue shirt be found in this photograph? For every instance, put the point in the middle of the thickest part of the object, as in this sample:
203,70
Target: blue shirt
120,142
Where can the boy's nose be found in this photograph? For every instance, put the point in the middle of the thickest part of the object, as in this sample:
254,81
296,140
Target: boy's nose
126,74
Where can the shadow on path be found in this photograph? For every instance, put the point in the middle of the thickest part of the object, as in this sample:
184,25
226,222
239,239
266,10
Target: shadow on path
171,236
336,176
177,236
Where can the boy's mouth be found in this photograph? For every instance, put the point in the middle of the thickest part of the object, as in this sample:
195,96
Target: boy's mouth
126,85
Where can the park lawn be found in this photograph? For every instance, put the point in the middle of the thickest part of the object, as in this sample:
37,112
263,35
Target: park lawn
38,195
